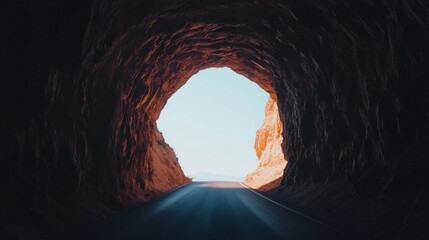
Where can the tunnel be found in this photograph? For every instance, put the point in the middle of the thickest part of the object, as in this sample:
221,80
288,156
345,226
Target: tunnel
86,81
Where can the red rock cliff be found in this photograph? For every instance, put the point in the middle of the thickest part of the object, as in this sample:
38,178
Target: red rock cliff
268,149
161,174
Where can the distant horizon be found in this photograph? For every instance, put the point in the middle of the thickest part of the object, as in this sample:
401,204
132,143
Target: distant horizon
211,123
210,176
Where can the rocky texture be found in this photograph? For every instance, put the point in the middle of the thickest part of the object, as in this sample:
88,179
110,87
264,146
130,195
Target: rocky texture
85,83
268,148
163,174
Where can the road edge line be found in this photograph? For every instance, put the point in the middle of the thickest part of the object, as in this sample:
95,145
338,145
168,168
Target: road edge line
292,210
164,194
180,186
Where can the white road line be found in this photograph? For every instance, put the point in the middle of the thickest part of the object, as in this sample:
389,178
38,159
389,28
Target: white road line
290,209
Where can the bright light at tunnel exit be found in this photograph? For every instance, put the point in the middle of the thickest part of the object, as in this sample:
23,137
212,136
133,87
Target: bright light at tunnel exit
211,124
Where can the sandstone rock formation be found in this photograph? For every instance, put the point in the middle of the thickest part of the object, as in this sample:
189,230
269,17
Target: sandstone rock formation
85,81
163,173
268,148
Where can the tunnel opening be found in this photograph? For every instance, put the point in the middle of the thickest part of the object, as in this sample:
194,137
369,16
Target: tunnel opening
212,122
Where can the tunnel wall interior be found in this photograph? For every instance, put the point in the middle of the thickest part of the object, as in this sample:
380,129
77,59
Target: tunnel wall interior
86,84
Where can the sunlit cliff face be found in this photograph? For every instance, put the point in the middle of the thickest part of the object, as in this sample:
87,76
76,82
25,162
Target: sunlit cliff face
272,160
349,80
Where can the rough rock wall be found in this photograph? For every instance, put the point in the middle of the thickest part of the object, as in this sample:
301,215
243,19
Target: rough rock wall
359,111
166,171
86,83
268,148
163,173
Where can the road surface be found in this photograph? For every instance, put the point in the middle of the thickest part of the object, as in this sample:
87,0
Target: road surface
209,210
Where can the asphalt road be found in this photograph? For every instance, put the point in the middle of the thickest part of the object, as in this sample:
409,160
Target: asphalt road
209,210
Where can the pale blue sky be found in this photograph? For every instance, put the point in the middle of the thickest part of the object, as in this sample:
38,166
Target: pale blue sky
211,122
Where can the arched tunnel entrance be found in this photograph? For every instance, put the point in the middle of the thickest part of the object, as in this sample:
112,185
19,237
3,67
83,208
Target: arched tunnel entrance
161,170
88,82
219,124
